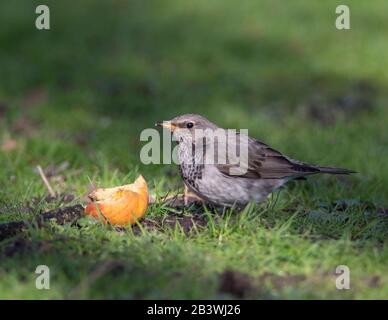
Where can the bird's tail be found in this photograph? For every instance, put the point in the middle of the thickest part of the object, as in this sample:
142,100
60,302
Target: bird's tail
332,170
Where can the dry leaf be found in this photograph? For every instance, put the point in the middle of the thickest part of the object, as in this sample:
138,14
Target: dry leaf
9,145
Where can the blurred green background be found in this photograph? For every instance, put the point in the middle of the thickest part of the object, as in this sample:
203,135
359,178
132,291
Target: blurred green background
74,100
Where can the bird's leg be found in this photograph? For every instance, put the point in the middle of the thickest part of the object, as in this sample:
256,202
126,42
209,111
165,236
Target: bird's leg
190,197
186,196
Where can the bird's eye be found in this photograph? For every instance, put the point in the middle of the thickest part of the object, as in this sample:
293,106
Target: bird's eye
189,125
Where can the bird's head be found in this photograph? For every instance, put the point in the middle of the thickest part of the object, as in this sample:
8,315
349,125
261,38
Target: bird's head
184,127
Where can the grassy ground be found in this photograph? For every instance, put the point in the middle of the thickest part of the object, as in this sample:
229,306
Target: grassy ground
75,99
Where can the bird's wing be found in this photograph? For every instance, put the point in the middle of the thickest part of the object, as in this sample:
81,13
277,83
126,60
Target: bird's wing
260,162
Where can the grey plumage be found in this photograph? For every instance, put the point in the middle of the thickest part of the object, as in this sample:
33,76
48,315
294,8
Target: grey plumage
233,179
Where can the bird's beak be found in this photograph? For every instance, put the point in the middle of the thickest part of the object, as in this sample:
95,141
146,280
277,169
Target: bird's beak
166,124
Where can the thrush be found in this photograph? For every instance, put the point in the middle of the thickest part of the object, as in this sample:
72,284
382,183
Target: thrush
240,170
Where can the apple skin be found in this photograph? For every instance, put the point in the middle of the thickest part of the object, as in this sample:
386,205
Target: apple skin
119,205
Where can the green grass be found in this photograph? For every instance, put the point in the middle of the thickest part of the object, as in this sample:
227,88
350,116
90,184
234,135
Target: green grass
82,92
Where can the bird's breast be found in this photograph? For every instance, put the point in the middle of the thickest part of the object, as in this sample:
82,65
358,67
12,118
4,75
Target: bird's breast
191,173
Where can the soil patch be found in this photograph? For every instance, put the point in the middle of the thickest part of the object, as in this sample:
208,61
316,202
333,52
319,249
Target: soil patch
187,222
241,285
61,216
359,97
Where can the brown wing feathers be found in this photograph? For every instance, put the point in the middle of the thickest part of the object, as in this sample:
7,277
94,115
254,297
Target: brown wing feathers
267,163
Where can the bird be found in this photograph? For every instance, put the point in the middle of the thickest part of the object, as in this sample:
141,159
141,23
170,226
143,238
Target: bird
232,179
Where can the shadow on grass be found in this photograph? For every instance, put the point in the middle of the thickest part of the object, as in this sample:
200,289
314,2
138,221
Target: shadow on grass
129,60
